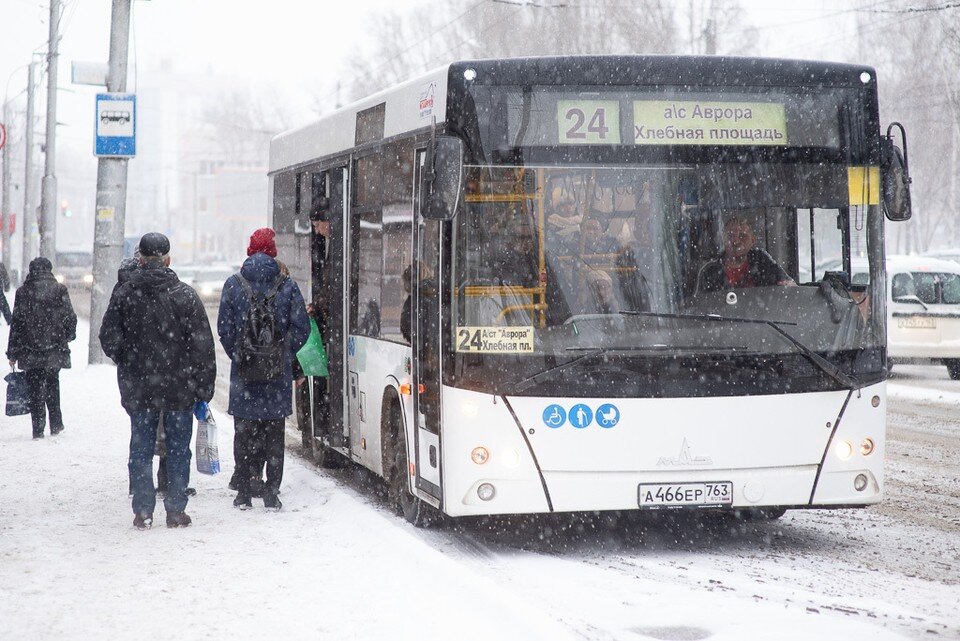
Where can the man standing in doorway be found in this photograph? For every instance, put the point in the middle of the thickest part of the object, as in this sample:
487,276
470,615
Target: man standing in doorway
262,324
156,331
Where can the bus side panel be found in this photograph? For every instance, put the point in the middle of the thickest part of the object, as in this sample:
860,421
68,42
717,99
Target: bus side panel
375,362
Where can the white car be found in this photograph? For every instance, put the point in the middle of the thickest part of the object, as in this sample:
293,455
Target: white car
923,311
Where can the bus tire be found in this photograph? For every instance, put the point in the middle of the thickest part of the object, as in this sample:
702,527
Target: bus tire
401,501
953,368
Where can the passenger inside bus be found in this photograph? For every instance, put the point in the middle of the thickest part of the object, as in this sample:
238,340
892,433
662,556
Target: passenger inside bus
743,263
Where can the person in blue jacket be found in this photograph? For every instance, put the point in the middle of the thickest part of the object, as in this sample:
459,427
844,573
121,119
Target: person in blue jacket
260,407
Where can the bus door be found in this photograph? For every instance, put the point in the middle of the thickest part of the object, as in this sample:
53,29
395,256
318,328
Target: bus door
426,337
328,296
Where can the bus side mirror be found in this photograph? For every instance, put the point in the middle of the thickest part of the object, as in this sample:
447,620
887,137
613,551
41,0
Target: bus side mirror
895,178
444,183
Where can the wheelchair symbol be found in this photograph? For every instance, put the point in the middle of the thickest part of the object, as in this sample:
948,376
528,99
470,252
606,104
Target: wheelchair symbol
608,415
554,416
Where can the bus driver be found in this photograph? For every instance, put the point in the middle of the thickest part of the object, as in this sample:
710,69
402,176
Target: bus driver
742,263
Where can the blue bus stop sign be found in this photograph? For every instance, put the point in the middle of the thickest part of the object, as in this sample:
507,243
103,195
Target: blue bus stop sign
116,125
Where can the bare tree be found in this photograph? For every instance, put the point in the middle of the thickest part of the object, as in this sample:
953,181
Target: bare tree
413,42
915,45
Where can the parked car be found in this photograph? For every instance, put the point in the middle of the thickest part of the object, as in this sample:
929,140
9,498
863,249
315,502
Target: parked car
923,311
74,269
945,254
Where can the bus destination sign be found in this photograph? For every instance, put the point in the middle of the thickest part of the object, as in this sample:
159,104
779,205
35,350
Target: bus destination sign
694,122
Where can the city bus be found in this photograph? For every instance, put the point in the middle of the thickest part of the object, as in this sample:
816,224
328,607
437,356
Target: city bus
607,283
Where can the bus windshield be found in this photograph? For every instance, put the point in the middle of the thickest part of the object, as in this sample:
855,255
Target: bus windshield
555,261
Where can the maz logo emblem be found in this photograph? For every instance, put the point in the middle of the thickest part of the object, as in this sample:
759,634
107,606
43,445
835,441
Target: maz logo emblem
685,458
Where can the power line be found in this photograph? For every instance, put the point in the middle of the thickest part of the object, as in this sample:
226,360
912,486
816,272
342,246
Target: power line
942,7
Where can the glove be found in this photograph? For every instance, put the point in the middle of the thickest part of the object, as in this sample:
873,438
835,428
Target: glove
201,410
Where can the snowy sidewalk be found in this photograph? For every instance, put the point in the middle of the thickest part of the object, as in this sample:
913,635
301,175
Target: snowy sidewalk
326,567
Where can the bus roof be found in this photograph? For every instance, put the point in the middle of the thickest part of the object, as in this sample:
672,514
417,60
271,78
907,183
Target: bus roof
408,106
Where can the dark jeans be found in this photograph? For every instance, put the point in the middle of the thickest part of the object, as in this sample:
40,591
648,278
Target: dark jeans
44,389
258,441
178,427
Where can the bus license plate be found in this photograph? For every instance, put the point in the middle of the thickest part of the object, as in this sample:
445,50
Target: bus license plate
709,494
917,322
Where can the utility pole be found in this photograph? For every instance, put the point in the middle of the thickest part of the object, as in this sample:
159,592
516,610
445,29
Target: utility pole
29,210
48,189
111,191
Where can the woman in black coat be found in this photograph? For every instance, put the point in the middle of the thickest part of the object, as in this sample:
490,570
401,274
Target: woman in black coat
43,323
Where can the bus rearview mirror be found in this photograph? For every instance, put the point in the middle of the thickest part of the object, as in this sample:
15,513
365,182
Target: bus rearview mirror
445,181
895,178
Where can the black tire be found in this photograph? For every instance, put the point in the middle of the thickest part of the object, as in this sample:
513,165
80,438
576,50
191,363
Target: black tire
404,504
953,368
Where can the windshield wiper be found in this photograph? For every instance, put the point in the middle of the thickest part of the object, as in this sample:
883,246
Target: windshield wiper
823,364
530,381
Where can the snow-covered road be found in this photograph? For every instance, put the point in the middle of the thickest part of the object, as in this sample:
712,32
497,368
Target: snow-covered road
335,564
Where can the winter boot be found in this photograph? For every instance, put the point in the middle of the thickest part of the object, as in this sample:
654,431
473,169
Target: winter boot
178,519
243,501
56,430
143,520
272,501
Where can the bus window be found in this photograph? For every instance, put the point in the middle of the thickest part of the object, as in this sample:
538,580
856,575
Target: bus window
366,238
284,202
397,236
819,243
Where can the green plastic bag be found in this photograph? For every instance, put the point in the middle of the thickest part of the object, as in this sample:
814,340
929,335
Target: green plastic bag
312,356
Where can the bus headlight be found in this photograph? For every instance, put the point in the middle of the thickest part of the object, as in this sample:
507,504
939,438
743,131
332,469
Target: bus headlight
60,278
843,450
88,279
206,291
486,491
867,447
480,455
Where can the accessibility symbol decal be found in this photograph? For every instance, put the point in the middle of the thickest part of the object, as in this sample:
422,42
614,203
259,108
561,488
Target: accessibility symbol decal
554,416
608,415
580,416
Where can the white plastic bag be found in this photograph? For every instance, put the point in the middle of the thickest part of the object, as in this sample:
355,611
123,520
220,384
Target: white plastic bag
208,455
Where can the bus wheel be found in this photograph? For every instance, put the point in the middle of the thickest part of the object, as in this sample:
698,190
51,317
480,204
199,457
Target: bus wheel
953,368
400,499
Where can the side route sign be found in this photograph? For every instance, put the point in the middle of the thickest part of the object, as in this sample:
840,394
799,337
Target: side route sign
116,125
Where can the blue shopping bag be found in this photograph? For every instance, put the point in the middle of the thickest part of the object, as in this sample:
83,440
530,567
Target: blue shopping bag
18,400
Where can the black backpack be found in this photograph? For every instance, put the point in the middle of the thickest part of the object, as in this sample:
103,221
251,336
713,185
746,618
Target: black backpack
259,350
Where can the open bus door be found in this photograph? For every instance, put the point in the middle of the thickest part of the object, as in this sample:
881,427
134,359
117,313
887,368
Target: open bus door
426,337
327,295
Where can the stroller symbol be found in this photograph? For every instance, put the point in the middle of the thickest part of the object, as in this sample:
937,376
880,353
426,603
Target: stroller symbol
608,415
554,416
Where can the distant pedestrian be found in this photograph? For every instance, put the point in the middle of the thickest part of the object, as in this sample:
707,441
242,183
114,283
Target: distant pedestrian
43,323
156,331
262,324
5,285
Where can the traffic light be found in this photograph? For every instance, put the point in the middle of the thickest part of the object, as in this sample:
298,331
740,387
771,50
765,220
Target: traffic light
65,209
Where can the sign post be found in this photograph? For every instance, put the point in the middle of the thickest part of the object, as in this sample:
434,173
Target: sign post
116,128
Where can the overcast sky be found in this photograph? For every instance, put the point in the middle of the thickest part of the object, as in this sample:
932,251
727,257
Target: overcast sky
296,47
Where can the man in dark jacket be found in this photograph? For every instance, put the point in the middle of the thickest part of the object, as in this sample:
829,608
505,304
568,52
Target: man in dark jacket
742,264
259,407
43,323
156,331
